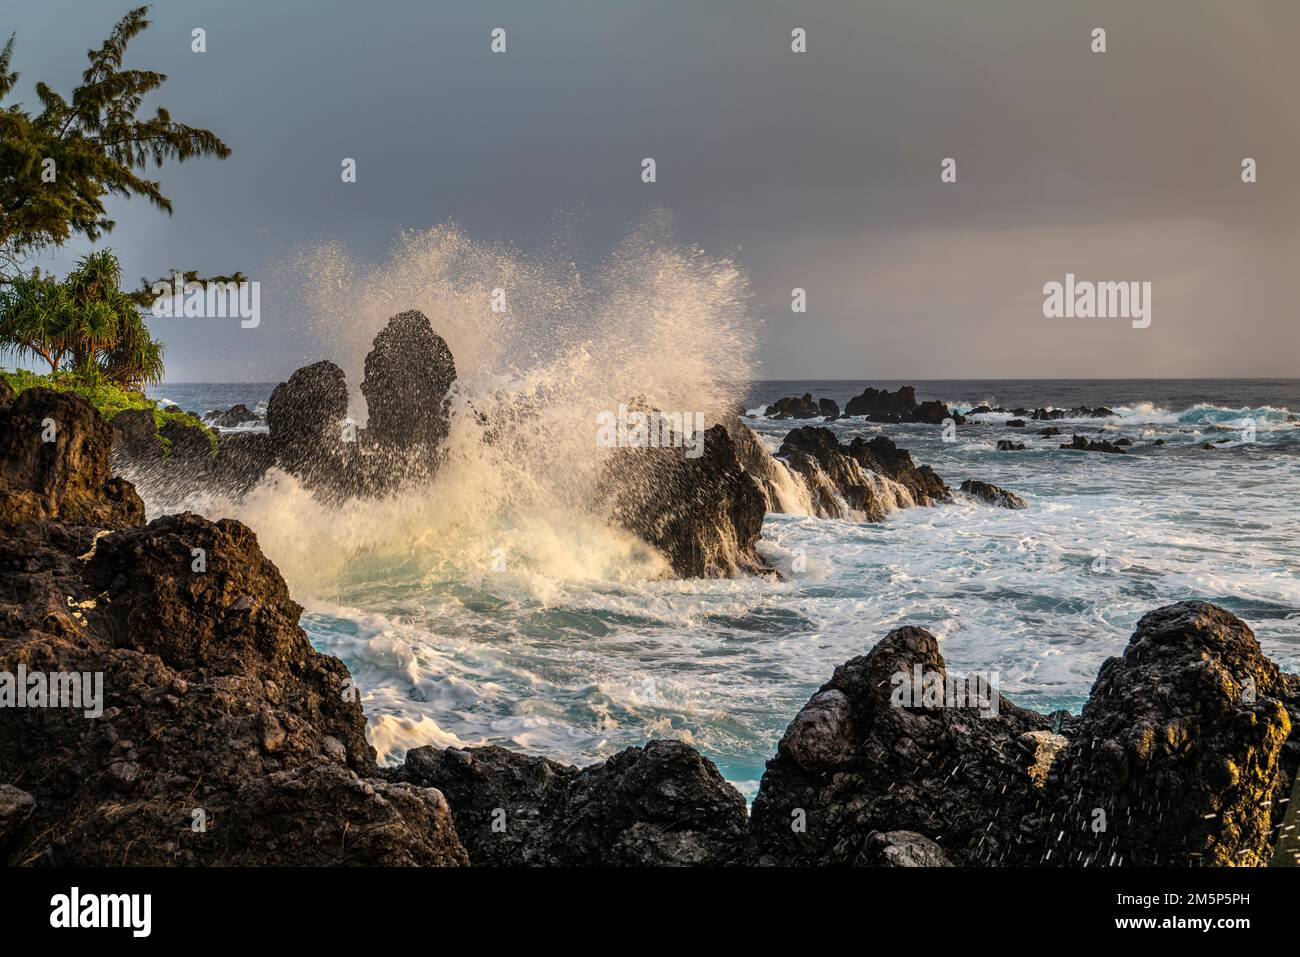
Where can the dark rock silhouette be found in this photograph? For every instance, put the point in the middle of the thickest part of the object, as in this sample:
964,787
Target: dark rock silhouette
1006,445
306,416
408,375
803,407
881,405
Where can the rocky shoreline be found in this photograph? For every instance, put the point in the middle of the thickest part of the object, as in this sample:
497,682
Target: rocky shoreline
225,738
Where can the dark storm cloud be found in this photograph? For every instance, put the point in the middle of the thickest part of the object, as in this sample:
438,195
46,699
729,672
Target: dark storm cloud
818,170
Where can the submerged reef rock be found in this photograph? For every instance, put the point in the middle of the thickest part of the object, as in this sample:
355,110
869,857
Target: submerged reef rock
704,514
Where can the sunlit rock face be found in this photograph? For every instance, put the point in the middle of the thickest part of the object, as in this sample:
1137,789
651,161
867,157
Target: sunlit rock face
1181,756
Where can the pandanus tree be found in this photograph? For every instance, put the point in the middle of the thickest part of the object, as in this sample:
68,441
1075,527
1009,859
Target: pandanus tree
84,324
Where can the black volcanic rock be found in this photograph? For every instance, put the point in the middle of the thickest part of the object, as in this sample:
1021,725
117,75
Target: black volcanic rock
408,375
795,407
306,416
1016,423
1081,443
993,494
841,476
1049,431
853,763
236,415
829,408
705,514
881,405
215,733
1006,445
1078,412
661,804
54,464
1181,756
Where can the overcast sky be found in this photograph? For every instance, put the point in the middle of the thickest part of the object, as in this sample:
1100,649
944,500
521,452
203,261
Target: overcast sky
818,170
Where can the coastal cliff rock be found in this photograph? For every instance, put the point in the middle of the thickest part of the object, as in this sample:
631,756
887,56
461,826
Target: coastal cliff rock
704,514
664,804
217,734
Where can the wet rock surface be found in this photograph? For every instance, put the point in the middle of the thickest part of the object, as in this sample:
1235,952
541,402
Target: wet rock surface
854,762
865,477
704,514
1182,754
993,494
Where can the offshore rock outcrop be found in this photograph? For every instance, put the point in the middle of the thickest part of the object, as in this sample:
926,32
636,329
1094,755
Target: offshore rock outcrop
664,804
1081,443
408,379
409,374
881,405
864,479
993,494
705,514
803,407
